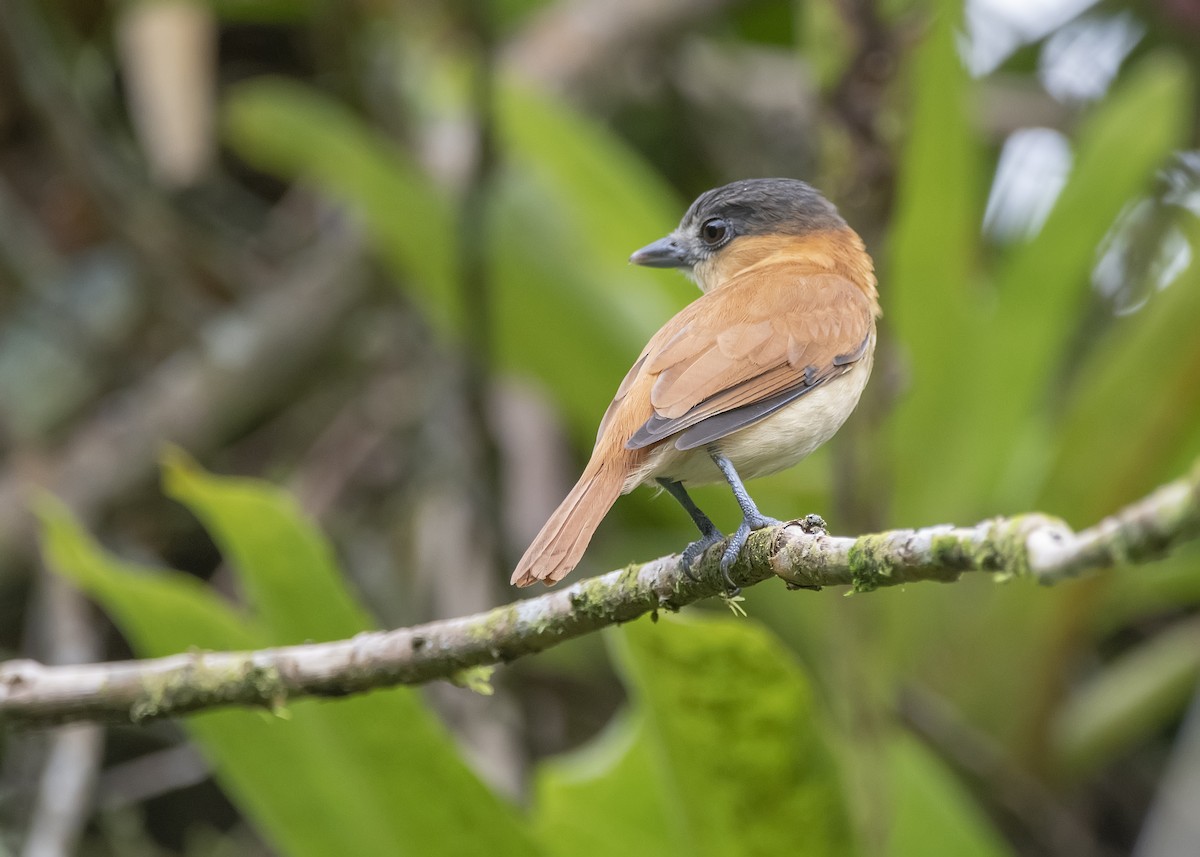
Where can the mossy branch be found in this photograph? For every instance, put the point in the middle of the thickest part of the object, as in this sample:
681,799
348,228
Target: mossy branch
1032,545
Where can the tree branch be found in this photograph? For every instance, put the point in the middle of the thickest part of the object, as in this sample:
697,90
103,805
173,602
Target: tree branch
1032,545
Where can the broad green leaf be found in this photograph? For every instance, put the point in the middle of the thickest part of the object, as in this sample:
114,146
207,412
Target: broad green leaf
1043,288
287,570
1141,382
569,203
554,319
574,202
161,612
615,200
604,798
736,742
1165,586
285,566
259,760
932,814
928,286
980,372
374,774
1130,699
292,131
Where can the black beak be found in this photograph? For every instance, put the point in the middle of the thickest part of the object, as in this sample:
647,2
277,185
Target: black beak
663,253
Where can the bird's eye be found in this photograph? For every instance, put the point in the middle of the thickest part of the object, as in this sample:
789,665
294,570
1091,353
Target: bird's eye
714,231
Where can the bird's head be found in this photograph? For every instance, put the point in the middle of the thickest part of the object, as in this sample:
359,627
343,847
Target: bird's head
747,219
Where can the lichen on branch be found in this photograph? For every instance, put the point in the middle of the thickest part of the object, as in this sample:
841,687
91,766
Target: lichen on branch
799,553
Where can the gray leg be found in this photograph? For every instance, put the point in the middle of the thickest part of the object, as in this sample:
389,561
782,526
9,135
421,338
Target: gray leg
709,534
752,519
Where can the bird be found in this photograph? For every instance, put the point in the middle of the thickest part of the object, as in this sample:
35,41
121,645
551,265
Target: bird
746,380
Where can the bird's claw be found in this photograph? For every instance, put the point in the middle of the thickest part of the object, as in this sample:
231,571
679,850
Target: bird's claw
735,544
695,550
729,556
732,548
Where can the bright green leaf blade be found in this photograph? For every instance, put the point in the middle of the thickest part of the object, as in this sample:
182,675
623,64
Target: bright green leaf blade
573,203
387,745
299,791
616,200
292,131
932,814
1043,288
555,321
928,286
161,612
1168,585
1133,697
1142,381
733,730
388,756
979,368
285,566
604,799
1120,147
258,759
374,774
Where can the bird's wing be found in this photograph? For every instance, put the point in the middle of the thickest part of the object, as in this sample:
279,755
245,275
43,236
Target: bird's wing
626,383
744,350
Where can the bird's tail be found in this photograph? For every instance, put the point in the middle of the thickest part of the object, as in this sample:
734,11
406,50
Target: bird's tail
564,538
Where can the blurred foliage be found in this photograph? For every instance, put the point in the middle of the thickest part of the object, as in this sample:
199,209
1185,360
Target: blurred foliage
1008,380
722,751
364,776
569,205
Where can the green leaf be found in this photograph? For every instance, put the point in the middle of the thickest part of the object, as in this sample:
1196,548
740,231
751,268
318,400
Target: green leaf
569,203
257,759
616,201
605,798
981,358
739,756
573,203
1130,699
374,774
932,814
1044,287
285,566
928,287
161,612
1139,382
290,130
554,319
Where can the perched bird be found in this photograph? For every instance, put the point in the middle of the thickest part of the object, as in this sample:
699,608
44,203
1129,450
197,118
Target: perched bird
748,379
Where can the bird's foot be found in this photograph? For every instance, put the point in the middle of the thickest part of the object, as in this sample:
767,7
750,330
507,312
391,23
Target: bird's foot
735,544
696,549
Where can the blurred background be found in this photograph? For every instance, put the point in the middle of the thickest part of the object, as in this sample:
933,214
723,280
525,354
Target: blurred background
374,253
